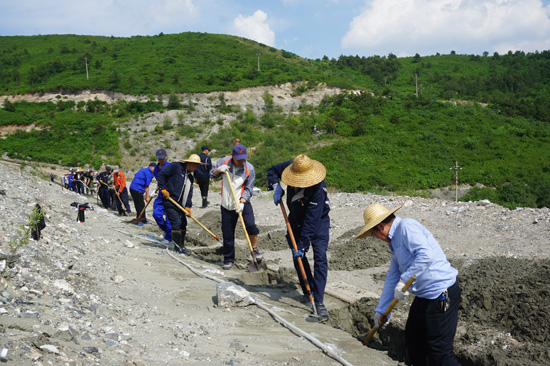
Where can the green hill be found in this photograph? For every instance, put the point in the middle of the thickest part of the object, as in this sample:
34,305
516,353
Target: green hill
410,121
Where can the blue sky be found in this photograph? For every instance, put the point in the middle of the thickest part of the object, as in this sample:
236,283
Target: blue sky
308,28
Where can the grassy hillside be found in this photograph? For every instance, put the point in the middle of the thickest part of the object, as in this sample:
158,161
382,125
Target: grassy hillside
415,117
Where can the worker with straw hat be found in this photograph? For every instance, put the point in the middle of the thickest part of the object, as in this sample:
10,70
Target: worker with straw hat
433,316
175,183
308,205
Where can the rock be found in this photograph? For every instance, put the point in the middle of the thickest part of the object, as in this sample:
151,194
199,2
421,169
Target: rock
230,294
50,348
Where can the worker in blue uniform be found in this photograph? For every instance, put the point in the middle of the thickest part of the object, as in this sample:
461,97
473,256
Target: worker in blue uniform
139,187
175,183
309,207
202,175
159,213
103,180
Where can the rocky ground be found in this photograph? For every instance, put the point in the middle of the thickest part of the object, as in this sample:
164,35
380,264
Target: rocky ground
107,292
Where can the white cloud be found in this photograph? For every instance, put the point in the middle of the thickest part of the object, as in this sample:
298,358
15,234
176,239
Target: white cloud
255,27
98,17
405,27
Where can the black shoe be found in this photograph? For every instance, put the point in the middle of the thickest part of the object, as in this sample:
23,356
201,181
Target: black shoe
180,249
321,311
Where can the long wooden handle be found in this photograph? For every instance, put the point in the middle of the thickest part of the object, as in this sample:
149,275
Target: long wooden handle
299,259
143,210
389,309
194,219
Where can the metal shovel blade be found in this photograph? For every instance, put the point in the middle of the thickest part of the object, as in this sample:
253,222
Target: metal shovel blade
255,266
136,221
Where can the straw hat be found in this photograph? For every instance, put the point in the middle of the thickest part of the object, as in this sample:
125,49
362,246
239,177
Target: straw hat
194,158
303,172
373,215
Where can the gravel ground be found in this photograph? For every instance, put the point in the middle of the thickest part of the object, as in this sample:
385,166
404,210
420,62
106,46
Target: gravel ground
106,292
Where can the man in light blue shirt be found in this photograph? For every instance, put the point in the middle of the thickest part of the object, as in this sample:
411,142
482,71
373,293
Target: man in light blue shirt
433,316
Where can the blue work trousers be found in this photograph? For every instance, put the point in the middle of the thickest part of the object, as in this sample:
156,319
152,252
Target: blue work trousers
229,222
176,217
160,217
319,244
105,197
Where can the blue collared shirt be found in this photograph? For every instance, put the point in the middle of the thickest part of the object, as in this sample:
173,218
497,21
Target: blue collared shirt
414,251
141,180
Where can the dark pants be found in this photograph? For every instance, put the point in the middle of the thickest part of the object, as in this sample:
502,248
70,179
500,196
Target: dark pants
176,217
114,199
105,197
430,331
124,198
229,221
204,183
139,203
319,244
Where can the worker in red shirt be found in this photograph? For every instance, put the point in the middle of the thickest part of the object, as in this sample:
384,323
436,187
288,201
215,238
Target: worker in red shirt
119,181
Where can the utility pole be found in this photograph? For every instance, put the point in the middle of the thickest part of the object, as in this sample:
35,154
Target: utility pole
258,61
86,60
456,169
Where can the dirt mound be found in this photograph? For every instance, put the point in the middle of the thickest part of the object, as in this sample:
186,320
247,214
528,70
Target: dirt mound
348,253
505,304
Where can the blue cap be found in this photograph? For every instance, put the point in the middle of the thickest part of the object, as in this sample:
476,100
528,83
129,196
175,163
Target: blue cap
152,165
161,154
204,147
239,152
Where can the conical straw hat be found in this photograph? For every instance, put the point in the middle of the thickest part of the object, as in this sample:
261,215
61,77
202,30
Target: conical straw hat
303,172
194,158
373,215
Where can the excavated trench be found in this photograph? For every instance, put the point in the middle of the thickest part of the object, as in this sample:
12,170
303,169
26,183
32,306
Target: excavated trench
503,319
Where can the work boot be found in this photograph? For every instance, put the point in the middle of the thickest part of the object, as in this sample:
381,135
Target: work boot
321,311
177,239
205,202
227,265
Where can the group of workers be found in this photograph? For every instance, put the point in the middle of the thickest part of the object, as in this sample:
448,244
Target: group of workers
78,180
433,316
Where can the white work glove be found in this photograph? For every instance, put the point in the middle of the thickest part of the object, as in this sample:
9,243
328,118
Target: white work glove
377,317
223,168
397,293
241,207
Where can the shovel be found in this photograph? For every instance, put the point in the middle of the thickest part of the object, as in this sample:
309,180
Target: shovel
254,266
300,264
388,310
194,219
139,218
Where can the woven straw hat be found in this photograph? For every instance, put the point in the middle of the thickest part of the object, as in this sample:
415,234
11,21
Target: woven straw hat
303,172
194,158
373,215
